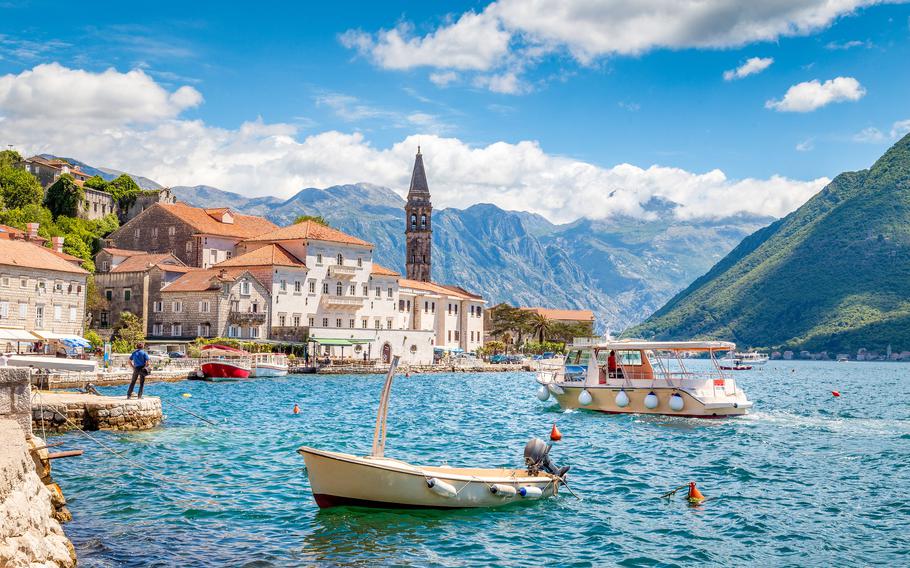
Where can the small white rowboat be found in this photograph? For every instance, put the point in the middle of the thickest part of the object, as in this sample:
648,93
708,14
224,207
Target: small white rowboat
377,481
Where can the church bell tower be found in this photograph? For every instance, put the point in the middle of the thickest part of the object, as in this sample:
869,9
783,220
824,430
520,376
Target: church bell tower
418,230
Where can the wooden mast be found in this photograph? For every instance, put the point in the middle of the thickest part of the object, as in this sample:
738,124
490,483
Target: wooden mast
380,431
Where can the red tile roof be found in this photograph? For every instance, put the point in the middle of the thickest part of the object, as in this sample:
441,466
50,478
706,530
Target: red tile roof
122,252
455,291
24,254
310,230
7,232
380,270
144,261
67,257
563,315
269,255
202,280
243,227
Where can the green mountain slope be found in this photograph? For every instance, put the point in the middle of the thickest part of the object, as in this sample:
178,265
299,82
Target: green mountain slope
833,275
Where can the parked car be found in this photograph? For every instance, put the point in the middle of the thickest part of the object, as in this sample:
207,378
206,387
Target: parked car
176,355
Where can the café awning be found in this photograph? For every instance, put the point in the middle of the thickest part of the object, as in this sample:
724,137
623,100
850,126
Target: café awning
17,334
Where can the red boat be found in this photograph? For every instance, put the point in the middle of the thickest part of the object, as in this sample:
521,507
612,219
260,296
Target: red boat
223,362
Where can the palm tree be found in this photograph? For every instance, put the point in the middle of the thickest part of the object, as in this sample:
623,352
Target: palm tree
540,326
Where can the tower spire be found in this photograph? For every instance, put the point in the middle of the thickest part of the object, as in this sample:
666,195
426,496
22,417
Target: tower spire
418,224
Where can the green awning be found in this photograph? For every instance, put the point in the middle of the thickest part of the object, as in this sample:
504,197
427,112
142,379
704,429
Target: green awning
340,342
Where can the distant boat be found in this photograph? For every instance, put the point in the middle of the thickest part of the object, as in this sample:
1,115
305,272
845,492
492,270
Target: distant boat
269,365
743,361
843,359
648,377
225,363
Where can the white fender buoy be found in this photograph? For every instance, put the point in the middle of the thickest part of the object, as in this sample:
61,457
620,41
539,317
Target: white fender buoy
440,487
651,400
677,402
530,492
622,399
543,394
585,398
555,389
503,490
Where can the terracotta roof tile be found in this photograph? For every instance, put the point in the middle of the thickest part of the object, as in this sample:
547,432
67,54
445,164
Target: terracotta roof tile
269,255
438,289
24,254
380,270
142,262
563,315
202,280
67,257
243,227
311,230
122,252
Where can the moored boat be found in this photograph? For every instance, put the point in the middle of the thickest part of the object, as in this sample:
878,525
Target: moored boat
221,362
644,377
743,361
269,365
377,481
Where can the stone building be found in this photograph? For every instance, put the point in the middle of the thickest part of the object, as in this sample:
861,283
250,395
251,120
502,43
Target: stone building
132,281
40,293
213,303
418,225
49,170
198,237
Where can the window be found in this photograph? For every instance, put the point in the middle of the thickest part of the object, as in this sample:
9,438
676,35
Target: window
298,288
433,307
157,329
378,292
426,307
254,332
233,331
58,312
449,311
413,221
378,324
388,324
254,308
456,309
235,305
176,329
171,231
338,322
23,310
102,318
325,322
4,309
339,289
23,282
127,294
4,281
632,358
158,306
228,254
450,335
351,323
456,335
72,314
244,288
319,258
366,290
281,320
325,287
202,330
105,266
154,232
189,246
364,323
297,321
353,290
312,287
472,311
479,313
389,293
204,307
339,259
136,233
359,263
177,306
423,221
400,305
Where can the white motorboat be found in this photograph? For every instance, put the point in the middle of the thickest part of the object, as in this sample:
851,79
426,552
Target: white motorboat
743,361
377,481
644,377
269,365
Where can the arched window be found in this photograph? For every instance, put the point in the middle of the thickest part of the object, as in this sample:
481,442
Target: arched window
423,221
413,221
339,289
340,259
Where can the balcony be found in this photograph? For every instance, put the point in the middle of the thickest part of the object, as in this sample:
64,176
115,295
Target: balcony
341,271
246,318
343,302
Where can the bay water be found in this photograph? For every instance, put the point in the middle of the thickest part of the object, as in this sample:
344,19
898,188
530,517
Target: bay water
807,479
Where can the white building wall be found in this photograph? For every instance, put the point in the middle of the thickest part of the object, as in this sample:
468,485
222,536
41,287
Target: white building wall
216,249
415,347
290,302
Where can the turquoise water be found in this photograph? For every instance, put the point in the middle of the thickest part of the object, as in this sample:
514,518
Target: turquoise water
806,480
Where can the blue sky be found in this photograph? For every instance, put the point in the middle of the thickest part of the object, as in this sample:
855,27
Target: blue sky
303,70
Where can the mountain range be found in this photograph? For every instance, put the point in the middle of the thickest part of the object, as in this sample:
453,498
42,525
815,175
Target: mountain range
833,275
622,268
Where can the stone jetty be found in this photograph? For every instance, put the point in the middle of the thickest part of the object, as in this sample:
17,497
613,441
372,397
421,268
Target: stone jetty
63,411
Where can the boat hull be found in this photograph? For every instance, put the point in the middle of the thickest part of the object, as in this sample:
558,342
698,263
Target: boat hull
340,479
603,399
260,370
224,370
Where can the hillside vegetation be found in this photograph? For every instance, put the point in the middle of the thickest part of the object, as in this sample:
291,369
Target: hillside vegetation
833,275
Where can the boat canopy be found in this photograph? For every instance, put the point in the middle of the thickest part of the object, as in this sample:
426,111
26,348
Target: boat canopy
636,344
223,351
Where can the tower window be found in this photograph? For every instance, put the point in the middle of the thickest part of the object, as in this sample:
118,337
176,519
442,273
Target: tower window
423,221
413,221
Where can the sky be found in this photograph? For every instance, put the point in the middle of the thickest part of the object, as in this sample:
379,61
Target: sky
569,109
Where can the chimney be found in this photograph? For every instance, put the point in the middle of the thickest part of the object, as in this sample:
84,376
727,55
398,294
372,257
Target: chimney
57,243
32,231
222,273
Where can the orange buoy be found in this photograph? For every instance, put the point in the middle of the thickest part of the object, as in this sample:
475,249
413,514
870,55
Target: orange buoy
695,495
835,393
555,434
296,409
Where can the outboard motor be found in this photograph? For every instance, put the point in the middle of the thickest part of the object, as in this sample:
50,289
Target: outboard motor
537,458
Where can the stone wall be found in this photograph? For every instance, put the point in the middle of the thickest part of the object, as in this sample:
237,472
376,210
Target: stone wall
171,235
30,535
15,393
97,204
60,412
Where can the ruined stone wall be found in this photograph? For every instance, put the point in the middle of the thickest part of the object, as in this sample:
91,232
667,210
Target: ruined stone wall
30,535
15,393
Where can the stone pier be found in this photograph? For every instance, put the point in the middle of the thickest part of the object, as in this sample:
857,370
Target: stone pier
63,411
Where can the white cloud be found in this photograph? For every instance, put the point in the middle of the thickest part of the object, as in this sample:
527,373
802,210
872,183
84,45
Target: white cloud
52,92
507,83
443,78
812,95
874,135
752,66
525,30
273,159
845,45
806,145
870,134
900,128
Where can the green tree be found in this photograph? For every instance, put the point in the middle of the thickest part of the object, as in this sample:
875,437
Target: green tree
64,197
92,337
9,158
19,188
540,326
128,332
96,182
124,190
314,218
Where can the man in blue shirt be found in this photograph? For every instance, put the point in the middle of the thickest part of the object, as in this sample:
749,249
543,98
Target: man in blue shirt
139,361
